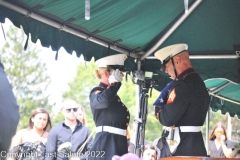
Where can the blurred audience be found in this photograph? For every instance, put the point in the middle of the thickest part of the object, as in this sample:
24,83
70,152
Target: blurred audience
38,123
235,153
81,115
31,141
149,153
219,145
66,138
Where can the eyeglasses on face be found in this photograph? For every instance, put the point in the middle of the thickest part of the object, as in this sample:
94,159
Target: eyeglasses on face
218,132
71,109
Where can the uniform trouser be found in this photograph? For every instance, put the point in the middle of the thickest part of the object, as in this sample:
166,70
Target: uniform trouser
191,145
107,145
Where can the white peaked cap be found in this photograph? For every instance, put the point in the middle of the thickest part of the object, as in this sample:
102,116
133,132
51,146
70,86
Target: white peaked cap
117,59
166,53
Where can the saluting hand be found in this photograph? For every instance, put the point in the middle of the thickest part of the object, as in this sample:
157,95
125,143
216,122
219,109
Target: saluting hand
116,76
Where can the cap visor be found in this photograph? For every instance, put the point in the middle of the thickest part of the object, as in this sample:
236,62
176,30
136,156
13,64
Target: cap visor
163,68
121,68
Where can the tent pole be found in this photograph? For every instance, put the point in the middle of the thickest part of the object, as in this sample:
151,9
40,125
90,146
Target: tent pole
229,126
207,130
171,30
220,88
137,113
66,28
223,98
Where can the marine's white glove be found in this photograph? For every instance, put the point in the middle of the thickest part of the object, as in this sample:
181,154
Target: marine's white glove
116,76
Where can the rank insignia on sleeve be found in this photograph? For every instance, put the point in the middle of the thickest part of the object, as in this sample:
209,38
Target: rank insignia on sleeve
172,96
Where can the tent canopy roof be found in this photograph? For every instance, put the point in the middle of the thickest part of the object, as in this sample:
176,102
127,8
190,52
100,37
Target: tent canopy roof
137,28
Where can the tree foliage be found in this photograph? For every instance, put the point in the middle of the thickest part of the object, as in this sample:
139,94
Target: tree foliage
81,86
26,73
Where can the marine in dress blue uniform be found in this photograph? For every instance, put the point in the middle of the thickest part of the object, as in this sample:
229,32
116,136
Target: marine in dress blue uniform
110,115
187,103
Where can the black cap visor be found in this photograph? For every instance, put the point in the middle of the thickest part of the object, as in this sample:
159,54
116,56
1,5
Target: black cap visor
163,67
120,67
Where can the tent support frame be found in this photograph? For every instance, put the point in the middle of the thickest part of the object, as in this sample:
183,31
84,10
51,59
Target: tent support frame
207,130
172,29
70,30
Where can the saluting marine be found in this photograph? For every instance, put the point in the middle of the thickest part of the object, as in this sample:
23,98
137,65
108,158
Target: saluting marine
186,106
110,115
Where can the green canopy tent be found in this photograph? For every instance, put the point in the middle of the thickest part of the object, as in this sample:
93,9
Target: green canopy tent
211,28
225,95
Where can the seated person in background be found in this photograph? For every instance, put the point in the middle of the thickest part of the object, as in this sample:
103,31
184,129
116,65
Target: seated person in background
81,115
219,145
149,153
235,153
68,137
38,123
36,133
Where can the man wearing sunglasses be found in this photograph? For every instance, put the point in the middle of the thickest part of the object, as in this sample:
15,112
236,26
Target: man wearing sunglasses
186,105
70,132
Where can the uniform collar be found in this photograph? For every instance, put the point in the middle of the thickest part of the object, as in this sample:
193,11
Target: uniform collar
185,73
103,85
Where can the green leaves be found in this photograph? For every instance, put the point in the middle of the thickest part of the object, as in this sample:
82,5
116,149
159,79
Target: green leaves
26,73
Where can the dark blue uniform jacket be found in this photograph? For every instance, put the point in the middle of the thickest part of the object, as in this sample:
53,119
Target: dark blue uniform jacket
187,105
108,110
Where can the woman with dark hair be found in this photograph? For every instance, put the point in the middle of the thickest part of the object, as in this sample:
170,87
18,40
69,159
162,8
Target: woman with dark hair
35,136
38,123
219,145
